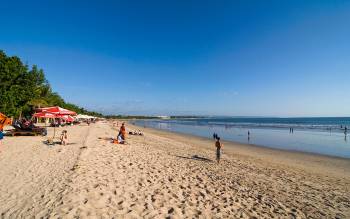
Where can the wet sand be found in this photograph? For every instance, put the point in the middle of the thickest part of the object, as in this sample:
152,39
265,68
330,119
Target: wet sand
163,174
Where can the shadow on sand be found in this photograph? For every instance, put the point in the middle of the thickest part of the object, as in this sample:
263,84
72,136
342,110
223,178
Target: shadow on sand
55,142
195,157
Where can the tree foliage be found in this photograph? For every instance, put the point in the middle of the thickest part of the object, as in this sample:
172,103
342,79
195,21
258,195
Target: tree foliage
22,89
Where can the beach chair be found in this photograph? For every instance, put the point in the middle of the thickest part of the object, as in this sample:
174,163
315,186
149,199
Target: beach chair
23,130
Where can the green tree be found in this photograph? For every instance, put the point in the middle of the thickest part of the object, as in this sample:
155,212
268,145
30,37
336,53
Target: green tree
23,89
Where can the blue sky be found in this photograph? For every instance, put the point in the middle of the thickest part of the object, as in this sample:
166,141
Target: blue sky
240,58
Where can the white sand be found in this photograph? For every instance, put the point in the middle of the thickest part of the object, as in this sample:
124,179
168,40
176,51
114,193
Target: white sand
155,177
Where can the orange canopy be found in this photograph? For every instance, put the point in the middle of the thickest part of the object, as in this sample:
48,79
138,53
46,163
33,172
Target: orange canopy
4,120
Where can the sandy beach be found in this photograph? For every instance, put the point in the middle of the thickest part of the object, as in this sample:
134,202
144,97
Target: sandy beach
165,175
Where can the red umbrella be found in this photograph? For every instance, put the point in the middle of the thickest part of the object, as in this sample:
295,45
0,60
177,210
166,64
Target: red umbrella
68,118
56,110
44,115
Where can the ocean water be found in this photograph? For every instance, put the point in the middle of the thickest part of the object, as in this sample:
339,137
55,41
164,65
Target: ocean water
315,135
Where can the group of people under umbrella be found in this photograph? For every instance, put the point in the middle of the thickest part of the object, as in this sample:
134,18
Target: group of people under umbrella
56,113
61,116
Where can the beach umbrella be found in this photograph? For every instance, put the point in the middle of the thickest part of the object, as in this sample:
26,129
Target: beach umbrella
47,115
56,110
44,115
80,116
68,118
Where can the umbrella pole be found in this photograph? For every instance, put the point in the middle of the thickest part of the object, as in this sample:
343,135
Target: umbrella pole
54,130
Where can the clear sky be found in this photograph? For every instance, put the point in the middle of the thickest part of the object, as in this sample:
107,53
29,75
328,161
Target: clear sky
240,58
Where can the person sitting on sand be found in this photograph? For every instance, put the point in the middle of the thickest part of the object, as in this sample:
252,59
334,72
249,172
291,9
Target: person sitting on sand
121,135
120,139
138,132
218,146
64,137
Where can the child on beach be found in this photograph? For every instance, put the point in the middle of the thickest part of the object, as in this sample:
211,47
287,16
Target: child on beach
64,137
218,146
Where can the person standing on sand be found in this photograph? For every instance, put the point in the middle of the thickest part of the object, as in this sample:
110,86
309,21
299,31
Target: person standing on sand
122,128
345,130
122,132
218,146
1,135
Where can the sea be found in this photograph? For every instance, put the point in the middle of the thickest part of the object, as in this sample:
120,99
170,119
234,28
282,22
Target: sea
319,135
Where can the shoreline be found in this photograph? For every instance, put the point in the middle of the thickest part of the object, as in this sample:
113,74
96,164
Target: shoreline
318,142
281,156
317,128
245,144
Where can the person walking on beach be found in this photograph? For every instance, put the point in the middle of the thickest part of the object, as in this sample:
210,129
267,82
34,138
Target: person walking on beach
218,146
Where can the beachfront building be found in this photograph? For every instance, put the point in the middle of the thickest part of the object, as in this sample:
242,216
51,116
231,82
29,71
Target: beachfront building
164,117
